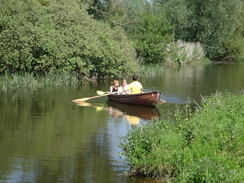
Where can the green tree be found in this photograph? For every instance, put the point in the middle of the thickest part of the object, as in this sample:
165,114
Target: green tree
117,12
143,23
153,33
235,46
42,37
210,22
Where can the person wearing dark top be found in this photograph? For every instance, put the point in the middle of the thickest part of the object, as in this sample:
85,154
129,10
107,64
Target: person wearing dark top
115,87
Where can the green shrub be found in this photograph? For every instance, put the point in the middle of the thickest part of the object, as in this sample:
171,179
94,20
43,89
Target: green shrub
60,36
210,22
206,146
152,35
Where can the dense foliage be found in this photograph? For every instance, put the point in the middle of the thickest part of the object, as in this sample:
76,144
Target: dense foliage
235,46
217,25
152,36
59,36
103,37
211,22
203,147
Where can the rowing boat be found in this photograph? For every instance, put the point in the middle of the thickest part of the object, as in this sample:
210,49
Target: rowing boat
147,98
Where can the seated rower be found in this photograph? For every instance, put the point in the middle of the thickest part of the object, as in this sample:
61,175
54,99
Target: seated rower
114,89
124,88
135,86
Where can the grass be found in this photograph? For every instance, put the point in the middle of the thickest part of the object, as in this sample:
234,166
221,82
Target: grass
10,82
182,53
17,81
150,70
206,146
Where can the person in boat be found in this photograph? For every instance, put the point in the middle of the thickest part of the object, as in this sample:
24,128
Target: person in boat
115,87
124,88
135,87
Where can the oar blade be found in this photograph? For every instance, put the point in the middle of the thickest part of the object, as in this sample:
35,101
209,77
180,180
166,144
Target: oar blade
101,92
163,101
81,103
81,99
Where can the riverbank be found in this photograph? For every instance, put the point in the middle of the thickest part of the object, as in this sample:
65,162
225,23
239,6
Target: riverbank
29,81
9,82
205,146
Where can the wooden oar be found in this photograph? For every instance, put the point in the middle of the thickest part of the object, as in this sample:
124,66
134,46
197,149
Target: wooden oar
105,93
162,100
100,93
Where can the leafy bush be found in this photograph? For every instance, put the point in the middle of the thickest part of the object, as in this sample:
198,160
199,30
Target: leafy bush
210,22
235,46
59,36
201,147
152,35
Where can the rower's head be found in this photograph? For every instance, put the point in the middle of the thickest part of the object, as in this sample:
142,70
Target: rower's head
116,83
135,78
124,82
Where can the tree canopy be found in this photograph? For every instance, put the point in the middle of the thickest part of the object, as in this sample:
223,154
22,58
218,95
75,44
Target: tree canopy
103,37
217,25
213,23
60,36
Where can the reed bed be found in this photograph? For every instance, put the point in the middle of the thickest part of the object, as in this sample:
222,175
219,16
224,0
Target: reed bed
206,146
150,70
181,53
28,80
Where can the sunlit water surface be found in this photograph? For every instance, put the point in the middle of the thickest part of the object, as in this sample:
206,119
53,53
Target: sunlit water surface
44,137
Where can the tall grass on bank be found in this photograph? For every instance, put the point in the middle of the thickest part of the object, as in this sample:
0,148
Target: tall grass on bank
181,53
27,80
150,70
206,146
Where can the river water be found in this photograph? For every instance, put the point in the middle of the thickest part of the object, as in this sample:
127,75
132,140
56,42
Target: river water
44,137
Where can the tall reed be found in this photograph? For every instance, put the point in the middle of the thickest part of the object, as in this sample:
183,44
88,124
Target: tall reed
28,80
182,52
150,70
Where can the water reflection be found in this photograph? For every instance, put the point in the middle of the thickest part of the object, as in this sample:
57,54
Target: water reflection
145,112
132,113
46,138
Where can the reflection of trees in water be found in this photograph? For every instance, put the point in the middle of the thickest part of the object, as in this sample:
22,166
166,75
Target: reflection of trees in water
56,141
100,146
195,80
44,136
184,80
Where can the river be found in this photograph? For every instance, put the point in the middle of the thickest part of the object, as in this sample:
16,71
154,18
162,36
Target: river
44,137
